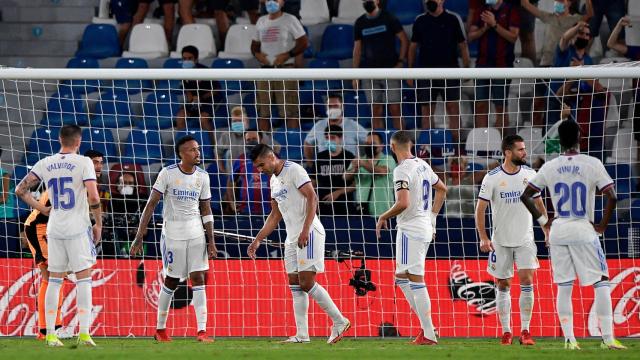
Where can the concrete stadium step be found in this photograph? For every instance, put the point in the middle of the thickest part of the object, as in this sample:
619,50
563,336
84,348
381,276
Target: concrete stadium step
50,31
38,47
48,14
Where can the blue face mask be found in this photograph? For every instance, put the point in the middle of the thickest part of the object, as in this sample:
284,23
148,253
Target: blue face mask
188,64
558,7
237,126
332,146
272,6
490,2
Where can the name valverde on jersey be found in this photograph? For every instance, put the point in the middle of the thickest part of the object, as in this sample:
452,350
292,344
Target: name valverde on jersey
182,193
512,222
418,178
64,176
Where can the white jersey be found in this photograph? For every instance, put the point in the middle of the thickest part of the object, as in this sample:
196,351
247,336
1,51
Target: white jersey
292,204
182,193
512,222
572,181
64,176
278,36
416,176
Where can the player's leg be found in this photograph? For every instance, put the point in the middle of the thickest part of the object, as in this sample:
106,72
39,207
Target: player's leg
174,267
500,266
82,256
169,12
564,275
57,265
300,297
402,279
393,96
527,262
198,264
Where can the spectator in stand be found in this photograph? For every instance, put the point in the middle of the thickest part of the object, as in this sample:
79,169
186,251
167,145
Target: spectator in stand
438,52
373,176
290,7
168,9
126,205
353,133
247,188
496,26
334,192
103,189
198,95
220,8
375,34
557,23
123,11
279,38
7,198
613,10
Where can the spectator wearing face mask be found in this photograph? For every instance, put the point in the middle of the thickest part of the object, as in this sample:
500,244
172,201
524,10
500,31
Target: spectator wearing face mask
247,188
334,192
198,95
126,205
373,176
353,133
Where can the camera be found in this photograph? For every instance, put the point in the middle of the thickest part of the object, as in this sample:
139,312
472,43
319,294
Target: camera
361,280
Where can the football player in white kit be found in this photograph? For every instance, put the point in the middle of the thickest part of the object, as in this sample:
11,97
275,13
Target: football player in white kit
186,193
572,180
295,201
71,185
512,239
414,181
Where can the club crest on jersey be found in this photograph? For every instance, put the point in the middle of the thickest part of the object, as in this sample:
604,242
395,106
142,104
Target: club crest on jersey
503,183
198,182
525,181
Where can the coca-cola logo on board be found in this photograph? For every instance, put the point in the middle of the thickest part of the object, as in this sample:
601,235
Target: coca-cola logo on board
479,295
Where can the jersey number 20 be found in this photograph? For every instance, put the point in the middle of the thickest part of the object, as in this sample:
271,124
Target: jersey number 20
576,194
59,189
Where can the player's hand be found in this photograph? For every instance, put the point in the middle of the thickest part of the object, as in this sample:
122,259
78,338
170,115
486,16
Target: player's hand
281,59
97,234
381,224
212,250
136,246
303,239
624,21
600,229
486,245
253,247
332,196
545,230
355,84
46,211
488,18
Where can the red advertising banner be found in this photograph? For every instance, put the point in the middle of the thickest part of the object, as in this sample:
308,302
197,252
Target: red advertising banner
251,298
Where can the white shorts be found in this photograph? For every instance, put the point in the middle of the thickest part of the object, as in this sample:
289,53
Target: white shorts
182,257
411,252
587,261
501,260
75,254
309,258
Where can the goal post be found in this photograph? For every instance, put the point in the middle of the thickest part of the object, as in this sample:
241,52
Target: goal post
135,116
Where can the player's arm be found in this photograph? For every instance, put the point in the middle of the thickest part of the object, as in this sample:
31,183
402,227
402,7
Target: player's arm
402,202
207,221
147,214
485,242
23,191
438,199
269,226
612,199
310,212
529,201
95,206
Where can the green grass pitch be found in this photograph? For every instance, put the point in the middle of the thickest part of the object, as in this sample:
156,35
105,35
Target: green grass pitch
349,348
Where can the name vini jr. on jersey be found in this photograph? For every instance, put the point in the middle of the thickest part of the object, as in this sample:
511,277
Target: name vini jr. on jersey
186,195
510,197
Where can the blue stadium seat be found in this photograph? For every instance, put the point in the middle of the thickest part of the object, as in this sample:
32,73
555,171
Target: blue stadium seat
337,42
44,142
171,85
112,110
207,148
357,107
291,142
459,7
440,143
159,109
218,185
65,108
132,86
99,41
322,84
406,10
624,181
101,140
143,147
635,210
308,52
230,86
82,86
19,172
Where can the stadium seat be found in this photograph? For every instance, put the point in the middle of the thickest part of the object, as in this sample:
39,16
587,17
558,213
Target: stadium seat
101,140
322,84
170,85
616,85
147,41
532,137
622,175
218,185
635,210
99,41
158,110
484,143
82,86
238,42
143,147
64,108
313,12
116,171
309,52
19,172
440,144
132,86
348,12
197,35
459,7
207,148
112,110
634,8
337,42
625,148
405,10
357,107
44,142
231,86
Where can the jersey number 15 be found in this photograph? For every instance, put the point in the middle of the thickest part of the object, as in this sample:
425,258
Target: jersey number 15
59,190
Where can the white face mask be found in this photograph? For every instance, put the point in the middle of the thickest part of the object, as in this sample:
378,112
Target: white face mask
126,190
334,113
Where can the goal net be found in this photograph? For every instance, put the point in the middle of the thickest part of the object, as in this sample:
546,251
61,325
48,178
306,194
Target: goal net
340,134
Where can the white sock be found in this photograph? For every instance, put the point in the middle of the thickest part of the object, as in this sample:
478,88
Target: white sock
603,309
51,303
403,284
164,301
300,311
423,308
503,303
526,306
321,296
200,306
565,310
83,287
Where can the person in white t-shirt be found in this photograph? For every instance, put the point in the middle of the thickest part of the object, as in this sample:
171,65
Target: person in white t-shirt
73,191
279,38
414,181
512,239
575,249
184,187
294,200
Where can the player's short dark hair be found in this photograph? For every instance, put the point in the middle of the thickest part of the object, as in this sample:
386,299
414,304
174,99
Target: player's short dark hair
182,141
569,134
402,137
259,151
191,50
335,130
335,95
92,154
69,133
509,141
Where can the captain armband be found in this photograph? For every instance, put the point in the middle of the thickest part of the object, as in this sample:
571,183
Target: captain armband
401,184
94,206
